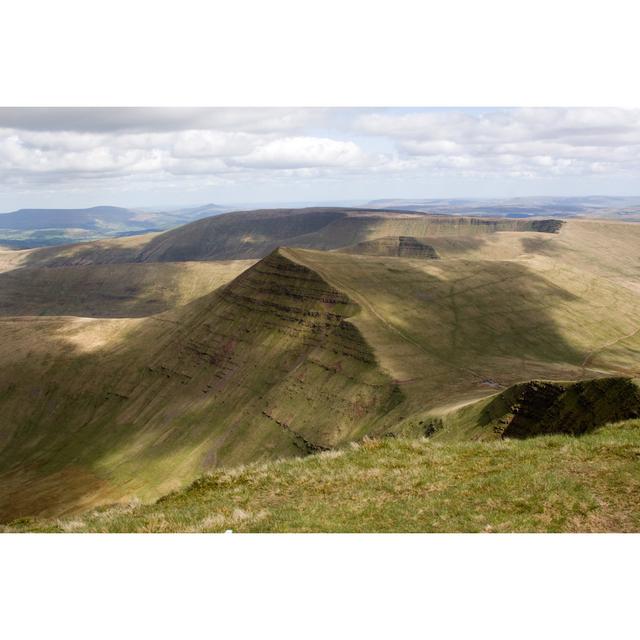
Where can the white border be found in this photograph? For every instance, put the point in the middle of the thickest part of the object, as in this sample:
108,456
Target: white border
315,586
334,53
490,53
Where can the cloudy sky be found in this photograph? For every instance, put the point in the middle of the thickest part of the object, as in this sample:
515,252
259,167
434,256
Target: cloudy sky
68,157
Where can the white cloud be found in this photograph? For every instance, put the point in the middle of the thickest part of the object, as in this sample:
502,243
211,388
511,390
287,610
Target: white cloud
516,142
303,152
67,156
71,149
211,144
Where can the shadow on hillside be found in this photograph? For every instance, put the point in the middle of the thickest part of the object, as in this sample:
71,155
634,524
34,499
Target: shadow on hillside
542,408
471,311
542,245
25,491
185,382
79,291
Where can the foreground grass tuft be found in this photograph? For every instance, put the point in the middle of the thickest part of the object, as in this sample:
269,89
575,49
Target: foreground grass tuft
545,484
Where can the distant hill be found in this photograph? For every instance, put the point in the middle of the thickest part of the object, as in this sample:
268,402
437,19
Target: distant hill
28,228
253,234
93,218
305,350
620,208
202,211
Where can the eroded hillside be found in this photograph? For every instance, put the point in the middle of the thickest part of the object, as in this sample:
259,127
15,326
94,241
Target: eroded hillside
304,351
267,366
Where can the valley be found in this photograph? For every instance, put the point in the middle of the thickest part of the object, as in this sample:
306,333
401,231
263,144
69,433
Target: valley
129,367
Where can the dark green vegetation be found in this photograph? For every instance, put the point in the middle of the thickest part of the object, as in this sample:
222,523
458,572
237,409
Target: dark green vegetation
547,484
130,367
536,408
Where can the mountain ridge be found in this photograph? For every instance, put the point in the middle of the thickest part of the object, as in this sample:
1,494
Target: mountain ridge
253,234
302,351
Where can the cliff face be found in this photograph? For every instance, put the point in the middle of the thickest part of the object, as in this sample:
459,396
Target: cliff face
278,340
539,408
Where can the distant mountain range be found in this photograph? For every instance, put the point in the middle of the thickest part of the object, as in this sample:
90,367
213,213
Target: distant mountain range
27,228
618,207
30,228
130,367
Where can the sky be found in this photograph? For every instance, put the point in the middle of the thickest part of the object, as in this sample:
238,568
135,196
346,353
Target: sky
78,157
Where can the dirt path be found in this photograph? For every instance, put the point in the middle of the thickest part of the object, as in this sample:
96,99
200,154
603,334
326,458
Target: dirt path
591,353
361,299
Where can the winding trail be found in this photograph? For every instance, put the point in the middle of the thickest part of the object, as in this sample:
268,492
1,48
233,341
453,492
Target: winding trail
593,352
360,298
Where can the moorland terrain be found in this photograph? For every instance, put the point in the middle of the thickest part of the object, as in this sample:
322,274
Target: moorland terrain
131,366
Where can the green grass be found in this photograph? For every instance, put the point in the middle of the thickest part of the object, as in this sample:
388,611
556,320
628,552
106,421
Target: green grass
252,372
113,290
449,329
307,349
546,484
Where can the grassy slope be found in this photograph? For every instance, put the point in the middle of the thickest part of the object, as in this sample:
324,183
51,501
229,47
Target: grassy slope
263,368
113,290
108,251
311,349
254,234
457,329
546,484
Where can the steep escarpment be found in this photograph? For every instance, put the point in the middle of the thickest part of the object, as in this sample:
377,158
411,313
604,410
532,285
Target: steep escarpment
395,246
575,409
284,330
542,407
425,225
266,367
254,234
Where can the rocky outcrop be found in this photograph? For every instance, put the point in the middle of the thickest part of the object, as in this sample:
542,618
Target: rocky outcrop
546,226
538,407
